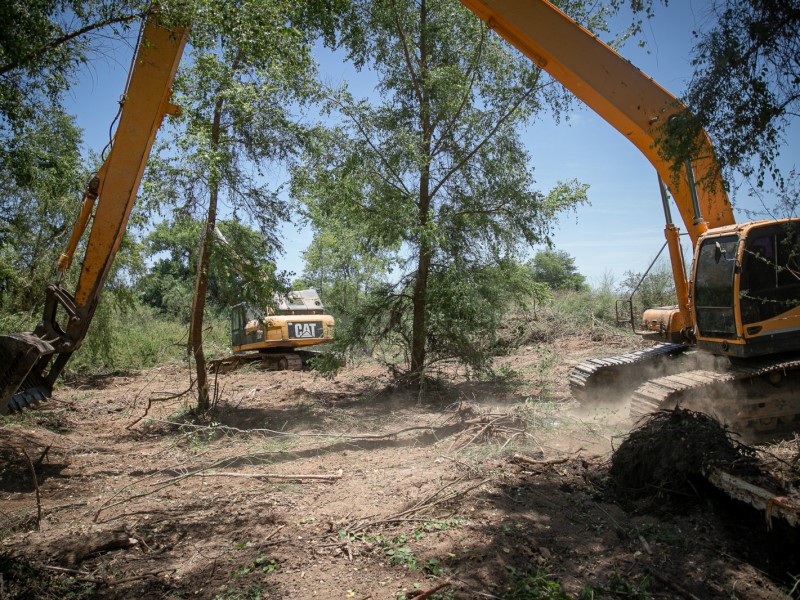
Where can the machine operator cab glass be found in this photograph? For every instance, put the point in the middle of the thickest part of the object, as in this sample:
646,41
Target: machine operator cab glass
768,279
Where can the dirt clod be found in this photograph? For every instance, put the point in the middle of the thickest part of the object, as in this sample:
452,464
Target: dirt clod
663,457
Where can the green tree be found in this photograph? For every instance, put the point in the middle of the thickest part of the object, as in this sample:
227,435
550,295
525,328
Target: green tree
437,167
465,312
655,288
557,269
343,269
242,269
250,63
43,45
41,177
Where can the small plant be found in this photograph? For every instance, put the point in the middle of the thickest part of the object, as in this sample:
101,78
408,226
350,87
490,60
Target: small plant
251,592
437,525
543,370
267,565
262,564
432,567
400,553
636,588
504,372
535,585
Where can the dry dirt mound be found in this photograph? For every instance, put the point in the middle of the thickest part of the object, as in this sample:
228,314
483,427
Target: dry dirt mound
669,452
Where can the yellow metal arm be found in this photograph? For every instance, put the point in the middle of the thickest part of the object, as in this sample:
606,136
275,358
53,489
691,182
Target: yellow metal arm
621,94
31,362
146,103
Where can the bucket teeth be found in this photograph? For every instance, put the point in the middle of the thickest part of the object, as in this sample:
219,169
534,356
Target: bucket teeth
28,398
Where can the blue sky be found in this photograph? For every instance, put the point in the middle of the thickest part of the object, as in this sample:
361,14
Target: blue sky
622,228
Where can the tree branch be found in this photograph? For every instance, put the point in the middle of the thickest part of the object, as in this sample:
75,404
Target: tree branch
67,37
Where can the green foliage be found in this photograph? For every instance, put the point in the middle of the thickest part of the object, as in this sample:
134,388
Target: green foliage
400,553
251,592
435,176
466,307
557,269
40,181
248,67
587,312
533,585
656,289
465,312
241,270
744,89
342,267
260,564
43,43
130,338
327,362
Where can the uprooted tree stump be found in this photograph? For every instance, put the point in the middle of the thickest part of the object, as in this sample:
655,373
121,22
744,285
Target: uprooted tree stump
666,455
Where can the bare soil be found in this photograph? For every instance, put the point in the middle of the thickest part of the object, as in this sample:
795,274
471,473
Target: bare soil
299,486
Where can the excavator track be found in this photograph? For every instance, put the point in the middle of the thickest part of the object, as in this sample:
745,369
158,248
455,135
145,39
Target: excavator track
758,395
617,376
287,361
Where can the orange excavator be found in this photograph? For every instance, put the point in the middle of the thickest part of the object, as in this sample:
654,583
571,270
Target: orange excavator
31,362
731,346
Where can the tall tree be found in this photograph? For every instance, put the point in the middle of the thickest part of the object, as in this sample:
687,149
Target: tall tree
343,268
240,271
41,176
437,167
250,63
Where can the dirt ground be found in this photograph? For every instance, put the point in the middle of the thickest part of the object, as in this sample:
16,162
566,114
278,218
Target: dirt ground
304,487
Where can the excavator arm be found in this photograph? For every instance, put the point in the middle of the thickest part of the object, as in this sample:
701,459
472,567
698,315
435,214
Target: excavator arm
31,362
621,94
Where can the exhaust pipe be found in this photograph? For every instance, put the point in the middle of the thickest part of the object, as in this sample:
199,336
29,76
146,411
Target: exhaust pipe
23,358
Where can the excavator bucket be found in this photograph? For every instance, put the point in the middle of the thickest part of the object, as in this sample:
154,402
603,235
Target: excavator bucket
21,380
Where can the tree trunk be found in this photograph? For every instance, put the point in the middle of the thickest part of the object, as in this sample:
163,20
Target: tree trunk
201,279
418,303
420,296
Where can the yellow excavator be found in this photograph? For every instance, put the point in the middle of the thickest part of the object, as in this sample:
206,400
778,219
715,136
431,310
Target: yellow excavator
30,363
281,338
731,346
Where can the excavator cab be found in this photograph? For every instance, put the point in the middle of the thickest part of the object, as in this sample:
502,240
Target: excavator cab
747,289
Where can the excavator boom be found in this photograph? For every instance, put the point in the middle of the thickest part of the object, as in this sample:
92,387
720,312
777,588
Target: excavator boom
31,362
621,94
